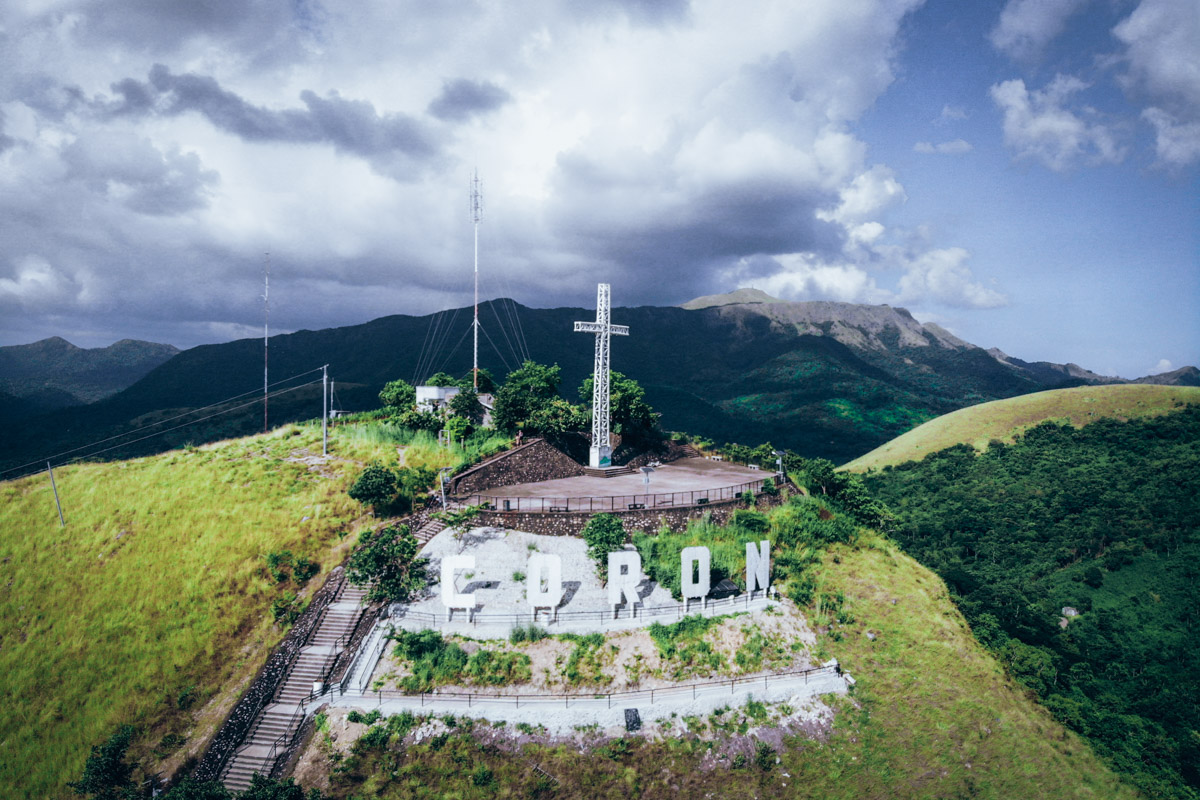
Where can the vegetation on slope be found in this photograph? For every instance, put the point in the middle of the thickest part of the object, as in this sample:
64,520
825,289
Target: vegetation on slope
1105,520
1004,420
932,714
158,600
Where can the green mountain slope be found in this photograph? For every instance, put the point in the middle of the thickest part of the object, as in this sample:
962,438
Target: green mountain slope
1103,520
931,715
1004,420
53,372
824,379
153,605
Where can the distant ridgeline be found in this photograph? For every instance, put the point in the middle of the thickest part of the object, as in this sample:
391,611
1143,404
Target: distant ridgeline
829,380
1075,555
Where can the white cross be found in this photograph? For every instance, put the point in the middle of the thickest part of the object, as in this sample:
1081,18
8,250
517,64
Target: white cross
601,450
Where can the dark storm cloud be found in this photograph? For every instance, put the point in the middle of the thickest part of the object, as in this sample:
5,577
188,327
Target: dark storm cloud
462,99
394,143
152,24
145,179
685,244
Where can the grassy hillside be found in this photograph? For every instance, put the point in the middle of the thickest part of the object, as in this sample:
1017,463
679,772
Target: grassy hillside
153,606
932,715
1005,419
1073,553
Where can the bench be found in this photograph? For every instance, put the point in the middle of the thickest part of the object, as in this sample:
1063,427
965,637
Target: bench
701,501
635,506
559,508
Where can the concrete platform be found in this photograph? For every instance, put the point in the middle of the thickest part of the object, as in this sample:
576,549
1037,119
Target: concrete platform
679,483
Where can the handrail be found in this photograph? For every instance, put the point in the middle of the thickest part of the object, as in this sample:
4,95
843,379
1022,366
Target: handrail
280,746
537,505
579,697
677,610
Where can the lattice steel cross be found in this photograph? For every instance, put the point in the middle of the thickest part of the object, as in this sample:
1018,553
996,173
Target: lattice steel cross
600,454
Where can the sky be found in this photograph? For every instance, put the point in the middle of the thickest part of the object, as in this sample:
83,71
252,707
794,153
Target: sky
1025,173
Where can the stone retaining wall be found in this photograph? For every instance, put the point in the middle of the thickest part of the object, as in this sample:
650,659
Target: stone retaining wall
231,733
638,521
534,462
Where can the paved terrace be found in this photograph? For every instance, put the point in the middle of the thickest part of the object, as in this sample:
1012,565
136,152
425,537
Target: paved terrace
686,482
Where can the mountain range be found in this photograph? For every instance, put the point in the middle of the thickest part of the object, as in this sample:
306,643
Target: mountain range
825,379
53,373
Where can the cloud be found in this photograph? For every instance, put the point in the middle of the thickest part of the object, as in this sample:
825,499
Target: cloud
135,173
1163,365
35,285
1025,27
462,99
952,114
1177,144
1039,126
942,276
399,144
951,148
654,145
1162,38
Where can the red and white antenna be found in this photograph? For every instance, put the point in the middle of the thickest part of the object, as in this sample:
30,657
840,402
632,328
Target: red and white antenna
476,216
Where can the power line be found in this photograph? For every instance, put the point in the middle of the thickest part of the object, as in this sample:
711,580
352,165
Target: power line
156,424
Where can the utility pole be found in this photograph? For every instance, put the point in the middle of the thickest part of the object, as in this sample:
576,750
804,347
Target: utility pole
266,329
325,410
476,216
61,522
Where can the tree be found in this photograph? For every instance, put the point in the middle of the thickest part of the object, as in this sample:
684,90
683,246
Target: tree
106,774
262,788
556,417
441,379
375,487
487,384
421,420
627,407
466,404
386,559
190,789
458,428
398,396
524,391
604,534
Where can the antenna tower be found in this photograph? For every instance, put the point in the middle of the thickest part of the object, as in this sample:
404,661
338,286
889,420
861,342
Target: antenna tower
266,329
476,216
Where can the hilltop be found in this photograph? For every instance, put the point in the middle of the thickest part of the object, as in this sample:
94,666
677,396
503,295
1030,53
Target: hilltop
53,373
825,379
1004,420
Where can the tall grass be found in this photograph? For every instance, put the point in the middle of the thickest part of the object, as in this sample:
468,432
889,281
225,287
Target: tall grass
157,589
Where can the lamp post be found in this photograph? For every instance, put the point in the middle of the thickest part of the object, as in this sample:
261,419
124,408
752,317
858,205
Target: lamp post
779,461
442,484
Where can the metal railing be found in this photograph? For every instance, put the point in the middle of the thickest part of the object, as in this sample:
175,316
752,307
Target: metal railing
606,698
625,502
677,610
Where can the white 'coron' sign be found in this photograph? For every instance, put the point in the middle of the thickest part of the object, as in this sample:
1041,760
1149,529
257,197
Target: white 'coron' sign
544,577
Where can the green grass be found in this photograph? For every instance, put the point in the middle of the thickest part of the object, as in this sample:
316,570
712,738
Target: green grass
152,606
932,715
1005,419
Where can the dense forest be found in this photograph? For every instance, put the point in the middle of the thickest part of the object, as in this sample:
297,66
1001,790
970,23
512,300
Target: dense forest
1075,555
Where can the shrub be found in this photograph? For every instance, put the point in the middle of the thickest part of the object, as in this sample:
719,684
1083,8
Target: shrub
604,534
106,774
764,756
375,487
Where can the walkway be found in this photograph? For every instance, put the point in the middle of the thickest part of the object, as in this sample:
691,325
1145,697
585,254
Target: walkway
561,714
279,721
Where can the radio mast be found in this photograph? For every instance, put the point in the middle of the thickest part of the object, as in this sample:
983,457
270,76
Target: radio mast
476,216
266,329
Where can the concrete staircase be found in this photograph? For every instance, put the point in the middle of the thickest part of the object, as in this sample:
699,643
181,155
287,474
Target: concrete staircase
689,451
430,529
280,719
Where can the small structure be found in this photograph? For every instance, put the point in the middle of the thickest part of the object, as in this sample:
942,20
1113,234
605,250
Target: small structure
435,398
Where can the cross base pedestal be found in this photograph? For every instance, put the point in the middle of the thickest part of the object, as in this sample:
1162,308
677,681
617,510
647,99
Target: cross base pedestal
600,456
